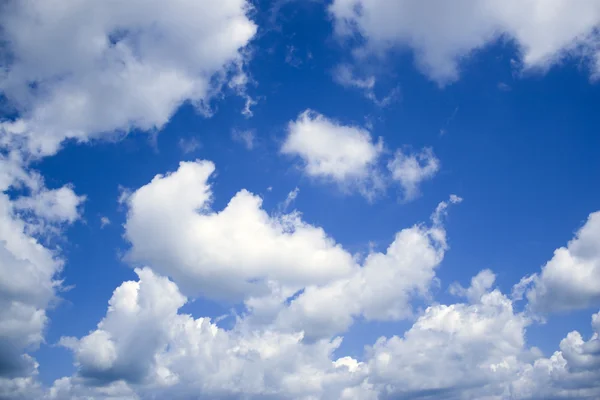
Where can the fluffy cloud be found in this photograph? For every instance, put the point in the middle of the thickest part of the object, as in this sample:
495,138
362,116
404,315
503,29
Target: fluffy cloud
470,350
27,269
443,35
118,349
382,289
79,71
344,154
411,168
242,253
231,253
348,156
145,348
282,346
573,372
571,279
53,205
144,342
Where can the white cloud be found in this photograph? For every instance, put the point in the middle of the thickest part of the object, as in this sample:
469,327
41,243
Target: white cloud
544,31
229,253
53,205
454,351
571,279
410,169
344,154
571,373
330,149
28,270
104,221
242,253
118,349
382,289
348,156
145,348
80,71
291,197
146,343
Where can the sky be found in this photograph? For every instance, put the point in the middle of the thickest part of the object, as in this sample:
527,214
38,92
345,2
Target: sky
294,199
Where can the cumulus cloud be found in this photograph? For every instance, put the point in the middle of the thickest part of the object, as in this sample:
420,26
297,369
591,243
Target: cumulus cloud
144,341
410,169
544,32
80,71
349,156
53,205
452,351
145,348
382,289
573,372
571,279
28,270
229,253
242,253
345,154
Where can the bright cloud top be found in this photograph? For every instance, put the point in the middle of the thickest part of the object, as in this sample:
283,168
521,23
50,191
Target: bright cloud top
444,33
229,253
81,70
28,270
349,156
570,279
96,69
331,150
463,350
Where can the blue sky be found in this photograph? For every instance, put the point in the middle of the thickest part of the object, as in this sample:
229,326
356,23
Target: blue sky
371,129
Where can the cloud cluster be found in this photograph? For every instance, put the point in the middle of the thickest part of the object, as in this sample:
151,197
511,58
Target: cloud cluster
78,71
227,254
145,348
443,34
571,279
283,344
28,270
88,69
349,156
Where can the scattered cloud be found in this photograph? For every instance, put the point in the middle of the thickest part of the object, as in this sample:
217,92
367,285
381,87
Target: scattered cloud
544,33
474,349
570,279
53,205
233,252
87,70
84,71
28,269
104,221
410,169
344,154
349,156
